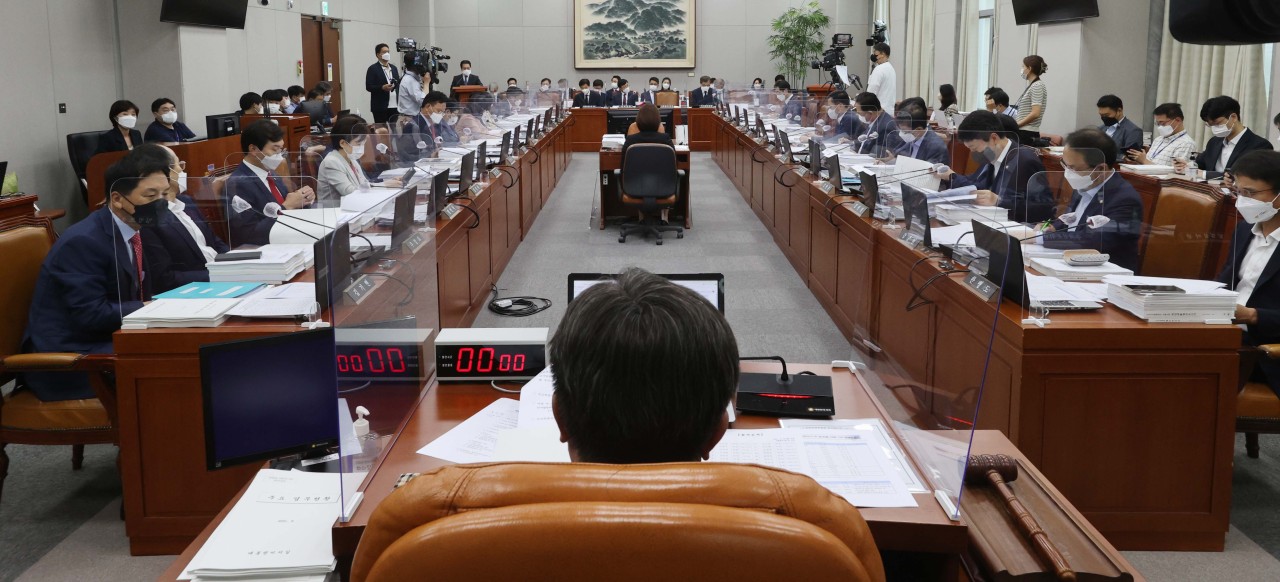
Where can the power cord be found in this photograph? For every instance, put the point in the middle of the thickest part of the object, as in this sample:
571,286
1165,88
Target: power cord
494,384
517,306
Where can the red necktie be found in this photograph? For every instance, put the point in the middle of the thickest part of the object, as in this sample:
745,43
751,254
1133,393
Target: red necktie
136,243
271,185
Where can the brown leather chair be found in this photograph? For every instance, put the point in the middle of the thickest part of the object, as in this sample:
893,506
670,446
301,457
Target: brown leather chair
580,521
1178,241
666,99
24,419
1257,406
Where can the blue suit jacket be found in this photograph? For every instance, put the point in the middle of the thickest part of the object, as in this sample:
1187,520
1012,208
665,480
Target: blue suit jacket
648,96
87,283
1020,165
932,149
793,107
1128,136
374,79
589,99
850,125
249,227
1119,238
1265,298
697,100
172,253
886,140
1249,141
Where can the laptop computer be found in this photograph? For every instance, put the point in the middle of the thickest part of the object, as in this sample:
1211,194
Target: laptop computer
709,285
1005,268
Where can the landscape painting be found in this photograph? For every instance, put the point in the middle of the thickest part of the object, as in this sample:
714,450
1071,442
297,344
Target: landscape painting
633,34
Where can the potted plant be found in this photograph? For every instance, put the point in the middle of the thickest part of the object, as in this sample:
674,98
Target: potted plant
797,38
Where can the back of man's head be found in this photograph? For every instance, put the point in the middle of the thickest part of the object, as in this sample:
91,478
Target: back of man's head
643,371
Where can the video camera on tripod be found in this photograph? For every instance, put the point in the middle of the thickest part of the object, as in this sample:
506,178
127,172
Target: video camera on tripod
834,57
431,58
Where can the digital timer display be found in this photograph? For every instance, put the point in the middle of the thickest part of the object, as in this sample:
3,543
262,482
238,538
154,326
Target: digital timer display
490,362
378,362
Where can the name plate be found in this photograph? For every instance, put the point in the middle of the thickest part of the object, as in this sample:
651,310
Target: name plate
359,290
494,173
802,171
911,238
476,188
413,243
511,160
451,211
861,209
980,285
826,187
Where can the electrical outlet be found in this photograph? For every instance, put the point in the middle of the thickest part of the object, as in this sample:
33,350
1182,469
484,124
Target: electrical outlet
62,108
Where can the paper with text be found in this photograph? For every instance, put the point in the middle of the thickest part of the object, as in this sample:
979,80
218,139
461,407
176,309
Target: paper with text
476,438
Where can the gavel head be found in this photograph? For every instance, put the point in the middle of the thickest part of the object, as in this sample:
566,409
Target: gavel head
980,465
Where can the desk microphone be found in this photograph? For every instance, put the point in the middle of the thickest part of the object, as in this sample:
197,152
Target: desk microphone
804,395
866,137
273,210
1094,222
239,205
905,176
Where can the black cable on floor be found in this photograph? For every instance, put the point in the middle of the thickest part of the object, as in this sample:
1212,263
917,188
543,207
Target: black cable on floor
517,306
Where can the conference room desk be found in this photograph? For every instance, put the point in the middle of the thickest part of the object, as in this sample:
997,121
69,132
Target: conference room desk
203,158
590,124
295,127
1133,422
611,206
169,495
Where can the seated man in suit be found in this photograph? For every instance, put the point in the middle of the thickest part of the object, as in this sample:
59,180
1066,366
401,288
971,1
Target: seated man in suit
182,243
273,101
881,132
611,403
624,96
1171,141
256,182
1119,128
1089,163
918,141
845,124
425,133
791,105
650,94
648,128
584,96
296,95
1231,139
251,103
704,95
1252,266
95,274
1006,169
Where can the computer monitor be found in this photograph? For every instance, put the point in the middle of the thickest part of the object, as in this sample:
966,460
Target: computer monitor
515,138
815,157
1004,261
269,397
506,148
760,126
870,191
402,220
915,212
466,175
529,130
619,120
222,125
546,119
709,285
439,192
832,163
332,265
482,157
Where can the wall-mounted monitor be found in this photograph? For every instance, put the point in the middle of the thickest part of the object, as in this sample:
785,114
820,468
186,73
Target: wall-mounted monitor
1042,11
215,13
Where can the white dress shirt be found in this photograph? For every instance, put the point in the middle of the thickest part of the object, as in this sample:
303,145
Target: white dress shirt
1228,146
177,208
995,166
1255,261
1164,150
262,175
883,81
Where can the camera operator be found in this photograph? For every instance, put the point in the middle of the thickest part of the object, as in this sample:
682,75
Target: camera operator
411,85
883,80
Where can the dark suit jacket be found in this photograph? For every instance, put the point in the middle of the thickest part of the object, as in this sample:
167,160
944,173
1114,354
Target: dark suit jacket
648,96
645,137
112,141
249,227
849,125
886,140
158,132
794,107
696,99
1208,160
172,253
1128,136
374,79
624,98
1025,204
589,99
1265,298
87,283
1119,238
471,80
420,129
932,149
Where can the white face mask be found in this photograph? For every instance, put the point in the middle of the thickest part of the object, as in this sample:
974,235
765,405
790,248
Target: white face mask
436,117
832,113
907,136
653,87
451,121
284,104
1077,180
273,162
273,108
182,182
1164,130
127,121
1023,74
328,98
386,56
666,85
1220,130
357,151
757,85
613,85
169,117
1255,211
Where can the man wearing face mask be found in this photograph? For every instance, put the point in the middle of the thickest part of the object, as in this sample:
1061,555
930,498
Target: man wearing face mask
625,97
426,133
410,91
846,124
1126,134
1089,166
918,141
96,273
704,95
790,107
1006,169
883,81
294,98
166,129
380,81
255,181
881,133
466,76
183,243
650,94
1231,139
251,104
585,97
1253,264
1170,141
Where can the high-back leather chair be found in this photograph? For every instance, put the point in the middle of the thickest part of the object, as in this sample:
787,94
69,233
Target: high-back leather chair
579,521
24,419
80,147
666,99
1178,241
1257,406
649,182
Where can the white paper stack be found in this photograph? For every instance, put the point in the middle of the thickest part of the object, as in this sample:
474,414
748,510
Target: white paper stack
305,225
1200,301
964,213
279,263
180,313
612,141
1060,269
279,529
1147,170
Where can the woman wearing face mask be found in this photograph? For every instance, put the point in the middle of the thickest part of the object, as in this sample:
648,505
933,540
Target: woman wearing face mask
1251,268
122,136
183,243
666,86
1033,101
166,129
340,172
471,124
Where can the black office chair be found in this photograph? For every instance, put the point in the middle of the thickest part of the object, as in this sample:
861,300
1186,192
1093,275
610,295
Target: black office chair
80,147
648,183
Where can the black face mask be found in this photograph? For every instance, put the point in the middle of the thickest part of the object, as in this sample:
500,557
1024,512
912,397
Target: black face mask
1109,121
986,156
873,58
148,215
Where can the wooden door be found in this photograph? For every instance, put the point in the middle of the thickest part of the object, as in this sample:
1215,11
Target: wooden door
320,40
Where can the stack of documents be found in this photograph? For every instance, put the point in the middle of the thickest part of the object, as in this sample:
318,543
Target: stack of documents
1044,288
1199,301
612,141
963,213
278,264
288,300
200,290
1060,269
280,528
1148,170
180,313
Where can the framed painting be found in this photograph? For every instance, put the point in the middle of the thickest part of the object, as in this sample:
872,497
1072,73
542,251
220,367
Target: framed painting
633,34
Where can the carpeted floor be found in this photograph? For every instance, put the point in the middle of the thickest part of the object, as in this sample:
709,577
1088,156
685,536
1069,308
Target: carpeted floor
56,524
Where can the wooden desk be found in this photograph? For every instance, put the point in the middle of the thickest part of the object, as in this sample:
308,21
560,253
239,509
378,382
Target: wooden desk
18,206
169,496
589,124
295,128
202,158
1112,409
611,207
463,93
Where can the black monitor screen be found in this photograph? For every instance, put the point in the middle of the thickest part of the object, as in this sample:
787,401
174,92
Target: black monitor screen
439,191
870,192
269,397
620,120
467,173
332,265
815,157
833,171
915,210
402,220
515,137
217,13
506,147
1004,261
482,157
1035,11
222,125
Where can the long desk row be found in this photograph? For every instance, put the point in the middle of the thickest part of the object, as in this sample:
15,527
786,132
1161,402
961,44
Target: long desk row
169,495
1133,422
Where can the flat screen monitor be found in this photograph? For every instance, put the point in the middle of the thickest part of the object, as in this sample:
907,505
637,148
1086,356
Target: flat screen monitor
1039,11
482,157
223,125
546,119
870,191
1004,261
815,157
215,13
402,220
833,171
505,152
515,138
332,265
529,129
439,192
269,397
915,212
709,285
620,120
759,126
466,175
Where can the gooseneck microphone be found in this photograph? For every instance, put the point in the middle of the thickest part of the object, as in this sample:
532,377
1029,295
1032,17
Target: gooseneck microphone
240,206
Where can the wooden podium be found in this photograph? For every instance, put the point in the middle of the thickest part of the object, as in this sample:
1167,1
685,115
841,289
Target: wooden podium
463,92
819,91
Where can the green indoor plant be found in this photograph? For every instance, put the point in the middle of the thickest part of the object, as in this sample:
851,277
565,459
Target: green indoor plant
797,38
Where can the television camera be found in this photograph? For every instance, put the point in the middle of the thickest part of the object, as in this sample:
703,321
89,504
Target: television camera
431,58
834,57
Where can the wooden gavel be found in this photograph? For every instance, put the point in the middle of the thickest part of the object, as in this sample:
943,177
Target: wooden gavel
996,470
